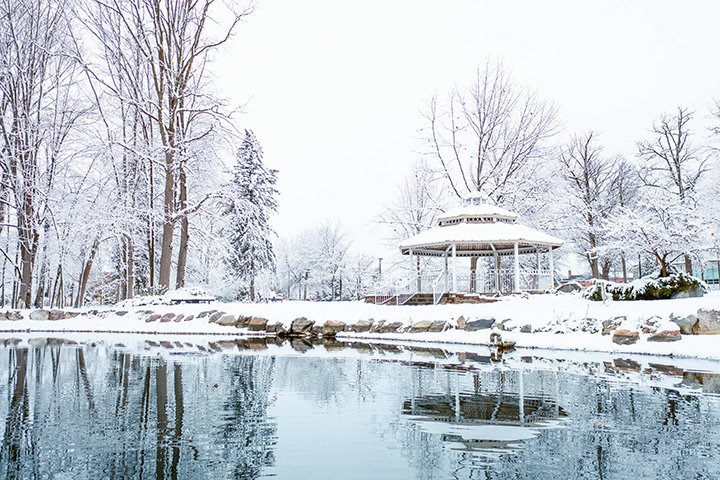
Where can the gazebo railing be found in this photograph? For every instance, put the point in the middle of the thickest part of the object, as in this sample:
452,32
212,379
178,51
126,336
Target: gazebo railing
483,282
487,282
439,286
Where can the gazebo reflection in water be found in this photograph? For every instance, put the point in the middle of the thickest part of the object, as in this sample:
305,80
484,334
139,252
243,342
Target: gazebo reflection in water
488,236
497,415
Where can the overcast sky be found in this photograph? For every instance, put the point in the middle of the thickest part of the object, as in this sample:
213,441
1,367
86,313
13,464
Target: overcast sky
334,90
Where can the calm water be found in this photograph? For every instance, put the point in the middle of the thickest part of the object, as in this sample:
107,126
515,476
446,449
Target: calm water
180,410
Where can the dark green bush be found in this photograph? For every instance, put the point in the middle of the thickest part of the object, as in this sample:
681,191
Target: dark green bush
651,287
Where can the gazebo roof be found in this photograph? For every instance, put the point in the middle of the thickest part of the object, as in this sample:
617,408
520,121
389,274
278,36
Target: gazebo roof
478,230
480,211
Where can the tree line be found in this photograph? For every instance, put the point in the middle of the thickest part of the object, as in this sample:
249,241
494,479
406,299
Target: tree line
112,137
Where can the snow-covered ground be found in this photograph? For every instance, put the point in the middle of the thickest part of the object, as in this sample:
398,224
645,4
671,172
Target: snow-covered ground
536,311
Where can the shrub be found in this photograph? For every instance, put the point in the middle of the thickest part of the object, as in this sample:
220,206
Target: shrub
651,287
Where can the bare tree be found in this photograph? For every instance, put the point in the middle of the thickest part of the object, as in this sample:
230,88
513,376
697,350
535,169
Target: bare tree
672,164
589,176
625,191
490,136
415,208
173,39
37,113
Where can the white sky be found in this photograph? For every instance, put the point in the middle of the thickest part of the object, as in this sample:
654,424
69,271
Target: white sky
334,90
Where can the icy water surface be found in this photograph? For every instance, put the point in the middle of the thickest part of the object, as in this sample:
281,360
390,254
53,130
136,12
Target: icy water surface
251,410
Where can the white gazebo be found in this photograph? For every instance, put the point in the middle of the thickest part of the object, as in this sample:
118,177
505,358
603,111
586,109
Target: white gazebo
477,230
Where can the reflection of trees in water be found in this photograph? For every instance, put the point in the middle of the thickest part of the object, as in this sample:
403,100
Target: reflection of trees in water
613,430
246,406
327,382
89,410
16,444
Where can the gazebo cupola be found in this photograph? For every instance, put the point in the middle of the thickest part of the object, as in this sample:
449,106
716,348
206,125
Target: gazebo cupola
479,229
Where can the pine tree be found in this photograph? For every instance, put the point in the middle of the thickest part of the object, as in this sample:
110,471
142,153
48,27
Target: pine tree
251,201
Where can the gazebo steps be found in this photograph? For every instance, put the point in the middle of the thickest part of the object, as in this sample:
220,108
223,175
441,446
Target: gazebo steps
421,299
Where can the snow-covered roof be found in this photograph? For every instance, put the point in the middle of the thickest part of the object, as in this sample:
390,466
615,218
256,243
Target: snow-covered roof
482,210
476,239
478,229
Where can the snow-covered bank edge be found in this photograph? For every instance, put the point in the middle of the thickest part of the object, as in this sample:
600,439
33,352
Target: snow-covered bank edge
558,322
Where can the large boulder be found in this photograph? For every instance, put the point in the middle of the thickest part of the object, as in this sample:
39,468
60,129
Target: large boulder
167,317
301,326
227,320
390,327
56,315
694,291
257,324
479,324
153,317
665,336
687,324
376,326
39,315
611,324
215,317
332,327
625,337
278,329
570,287
421,326
502,325
438,326
362,325
708,322
242,321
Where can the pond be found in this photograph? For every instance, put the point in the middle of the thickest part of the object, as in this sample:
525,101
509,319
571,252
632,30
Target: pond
251,409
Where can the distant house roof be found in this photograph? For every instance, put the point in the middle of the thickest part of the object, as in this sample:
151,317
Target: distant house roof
478,230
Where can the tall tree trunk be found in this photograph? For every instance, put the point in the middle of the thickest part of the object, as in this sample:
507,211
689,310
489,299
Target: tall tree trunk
252,288
58,294
184,233
688,265
28,239
151,225
605,272
40,293
85,275
129,267
168,229
624,268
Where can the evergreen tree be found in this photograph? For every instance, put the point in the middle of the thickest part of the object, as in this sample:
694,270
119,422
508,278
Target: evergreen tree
252,199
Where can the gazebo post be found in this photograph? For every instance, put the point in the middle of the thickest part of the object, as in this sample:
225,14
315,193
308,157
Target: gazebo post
536,281
496,269
412,269
517,266
445,256
552,267
473,274
454,255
